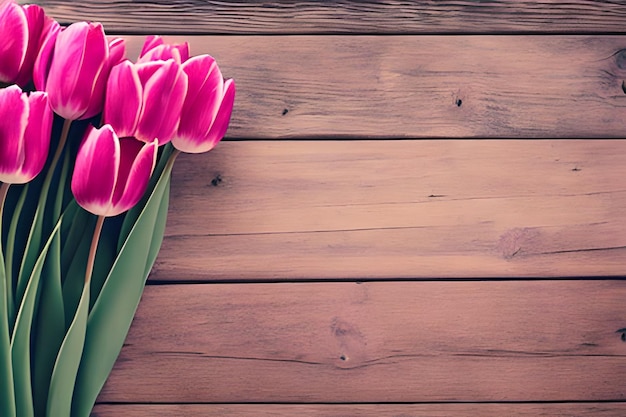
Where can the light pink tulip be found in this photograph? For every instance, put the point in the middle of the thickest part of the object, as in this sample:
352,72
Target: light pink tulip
155,49
25,127
144,100
111,174
22,32
73,68
207,107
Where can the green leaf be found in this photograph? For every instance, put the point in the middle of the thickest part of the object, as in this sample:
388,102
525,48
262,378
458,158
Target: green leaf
75,273
113,311
133,214
67,362
49,326
20,342
10,258
159,230
7,393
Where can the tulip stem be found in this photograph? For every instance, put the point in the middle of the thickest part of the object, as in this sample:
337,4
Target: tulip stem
92,249
55,159
4,190
57,154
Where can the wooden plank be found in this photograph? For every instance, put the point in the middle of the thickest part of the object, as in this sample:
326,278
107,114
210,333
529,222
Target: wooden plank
404,410
375,342
345,16
422,86
397,209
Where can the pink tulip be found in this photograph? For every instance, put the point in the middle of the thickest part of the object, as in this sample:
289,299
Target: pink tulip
155,49
22,30
144,100
25,127
207,107
111,174
73,68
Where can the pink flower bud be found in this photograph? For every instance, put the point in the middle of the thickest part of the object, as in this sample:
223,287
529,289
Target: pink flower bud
111,174
207,107
23,30
25,127
144,100
73,69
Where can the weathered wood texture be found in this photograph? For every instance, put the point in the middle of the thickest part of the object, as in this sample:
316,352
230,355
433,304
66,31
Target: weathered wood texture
345,16
390,209
375,342
422,86
404,410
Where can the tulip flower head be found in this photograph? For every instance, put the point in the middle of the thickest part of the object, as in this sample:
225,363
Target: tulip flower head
73,68
111,174
207,107
22,31
144,100
25,127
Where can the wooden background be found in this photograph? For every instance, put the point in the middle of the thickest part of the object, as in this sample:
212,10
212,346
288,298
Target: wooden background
419,210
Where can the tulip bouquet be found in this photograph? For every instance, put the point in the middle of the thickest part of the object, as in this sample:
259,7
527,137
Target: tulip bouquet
87,144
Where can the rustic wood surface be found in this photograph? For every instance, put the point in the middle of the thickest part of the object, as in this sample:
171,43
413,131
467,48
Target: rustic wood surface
403,410
346,16
375,342
397,209
421,86
425,224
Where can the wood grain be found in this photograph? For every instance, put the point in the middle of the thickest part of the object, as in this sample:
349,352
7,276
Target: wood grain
421,86
343,16
404,410
397,209
375,342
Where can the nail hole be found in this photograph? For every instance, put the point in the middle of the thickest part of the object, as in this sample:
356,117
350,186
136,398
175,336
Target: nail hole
285,111
576,169
459,102
343,357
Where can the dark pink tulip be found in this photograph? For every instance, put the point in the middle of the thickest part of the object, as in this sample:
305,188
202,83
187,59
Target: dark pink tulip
73,68
25,127
144,100
111,174
155,49
22,30
207,107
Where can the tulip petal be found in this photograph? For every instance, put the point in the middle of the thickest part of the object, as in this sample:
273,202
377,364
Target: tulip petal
122,105
203,97
117,51
14,35
14,113
220,125
36,19
199,144
95,171
44,58
163,98
37,135
80,54
136,165
151,42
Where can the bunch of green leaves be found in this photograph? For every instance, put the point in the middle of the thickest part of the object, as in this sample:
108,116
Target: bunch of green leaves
59,338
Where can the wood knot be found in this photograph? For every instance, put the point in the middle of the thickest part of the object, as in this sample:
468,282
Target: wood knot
351,344
620,59
515,241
